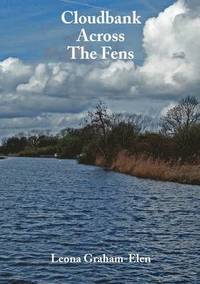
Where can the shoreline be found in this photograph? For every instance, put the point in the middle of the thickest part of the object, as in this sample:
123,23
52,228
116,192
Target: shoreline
154,169
141,167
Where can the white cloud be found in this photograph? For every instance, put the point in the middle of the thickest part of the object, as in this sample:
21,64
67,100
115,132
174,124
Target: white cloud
116,77
13,72
167,108
171,70
37,81
172,51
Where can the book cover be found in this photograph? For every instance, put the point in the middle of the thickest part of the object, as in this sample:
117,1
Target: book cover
99,141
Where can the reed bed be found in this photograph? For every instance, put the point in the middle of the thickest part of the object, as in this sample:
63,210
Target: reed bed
148,167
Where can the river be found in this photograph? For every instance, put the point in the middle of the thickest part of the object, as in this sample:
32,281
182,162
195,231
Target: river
58,206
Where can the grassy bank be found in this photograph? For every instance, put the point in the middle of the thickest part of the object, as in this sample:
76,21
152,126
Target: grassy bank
148,167
127,142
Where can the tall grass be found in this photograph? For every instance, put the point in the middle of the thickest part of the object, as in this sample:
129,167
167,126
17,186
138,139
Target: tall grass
148,167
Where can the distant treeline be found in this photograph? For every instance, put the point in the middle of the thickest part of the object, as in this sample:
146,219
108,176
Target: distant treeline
106,134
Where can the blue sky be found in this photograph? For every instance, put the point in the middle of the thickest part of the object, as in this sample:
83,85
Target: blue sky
32,30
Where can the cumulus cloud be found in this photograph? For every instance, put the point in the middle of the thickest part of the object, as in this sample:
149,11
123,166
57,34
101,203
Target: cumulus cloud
194,6
116,77
171,43
12,73
172,64
171,69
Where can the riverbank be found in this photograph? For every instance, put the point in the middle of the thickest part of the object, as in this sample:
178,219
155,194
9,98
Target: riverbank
144,167
147,167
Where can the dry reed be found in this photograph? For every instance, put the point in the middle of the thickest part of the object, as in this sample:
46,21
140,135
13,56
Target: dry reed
148,167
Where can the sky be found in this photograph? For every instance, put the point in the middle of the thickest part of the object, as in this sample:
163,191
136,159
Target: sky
42,89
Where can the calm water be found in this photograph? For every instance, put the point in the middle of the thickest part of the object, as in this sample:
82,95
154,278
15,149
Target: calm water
51,206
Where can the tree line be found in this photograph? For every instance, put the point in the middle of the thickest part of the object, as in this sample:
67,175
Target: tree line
105,133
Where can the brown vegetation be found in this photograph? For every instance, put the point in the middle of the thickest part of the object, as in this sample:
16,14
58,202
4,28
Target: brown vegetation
149,167
126,143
